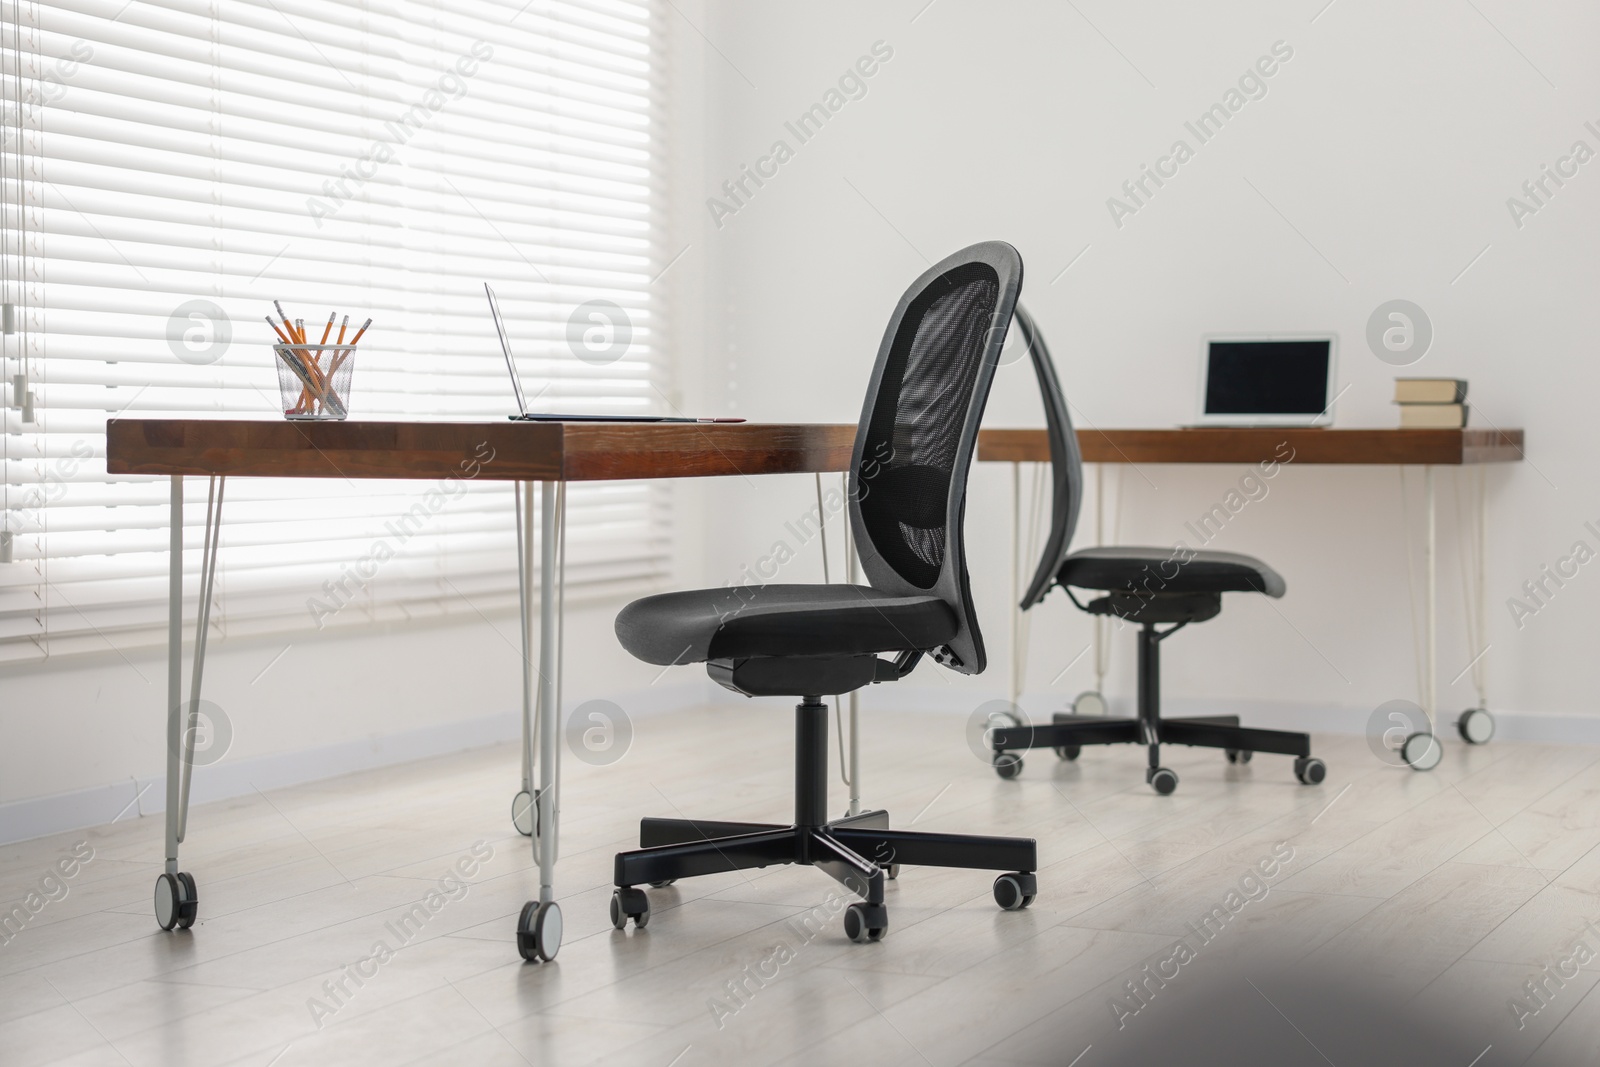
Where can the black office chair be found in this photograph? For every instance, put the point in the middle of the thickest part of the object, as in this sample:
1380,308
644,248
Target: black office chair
908,479
1147,586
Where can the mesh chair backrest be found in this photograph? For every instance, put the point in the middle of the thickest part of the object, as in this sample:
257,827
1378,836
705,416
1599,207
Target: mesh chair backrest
1066,464
919,427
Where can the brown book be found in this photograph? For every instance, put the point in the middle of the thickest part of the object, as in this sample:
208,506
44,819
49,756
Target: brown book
1430,391
1433,416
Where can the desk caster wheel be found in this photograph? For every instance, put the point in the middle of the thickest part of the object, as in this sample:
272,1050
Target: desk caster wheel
892,871
630,903
177,902
1422,752
524,813
866,922
1013,892
539,931
1068,752
1238,755
1007,764
1476,726
1089,702
663,883
1310,770
1161,780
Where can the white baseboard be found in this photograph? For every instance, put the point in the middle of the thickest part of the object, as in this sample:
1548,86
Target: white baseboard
97,806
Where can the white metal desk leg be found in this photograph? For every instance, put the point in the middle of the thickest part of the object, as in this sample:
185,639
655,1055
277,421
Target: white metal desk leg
539,925
1422,750
1016,593
202,628
175,902
1431,564
522,811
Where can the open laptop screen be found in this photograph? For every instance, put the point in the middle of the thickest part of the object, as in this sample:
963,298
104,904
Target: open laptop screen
1267,378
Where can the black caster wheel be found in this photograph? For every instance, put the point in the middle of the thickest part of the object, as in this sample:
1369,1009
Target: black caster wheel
630,903
1239,755
1476,726
1089,702
177,903
1007,764
663,883
190,908
1013,892
524,813
1161,780
1310,770
1068,752
539,931
866,922
1422,752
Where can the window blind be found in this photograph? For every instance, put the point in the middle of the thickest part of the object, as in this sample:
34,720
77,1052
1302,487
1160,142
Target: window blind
172,167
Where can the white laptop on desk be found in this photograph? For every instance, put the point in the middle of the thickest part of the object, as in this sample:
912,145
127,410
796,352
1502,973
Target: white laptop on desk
1279,380
524,415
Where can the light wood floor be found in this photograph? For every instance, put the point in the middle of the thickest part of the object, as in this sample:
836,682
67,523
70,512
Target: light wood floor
1412,911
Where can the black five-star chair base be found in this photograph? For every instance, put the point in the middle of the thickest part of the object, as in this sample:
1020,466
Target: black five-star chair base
858,851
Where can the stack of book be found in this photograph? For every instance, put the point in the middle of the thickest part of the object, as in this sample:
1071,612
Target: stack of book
1431,403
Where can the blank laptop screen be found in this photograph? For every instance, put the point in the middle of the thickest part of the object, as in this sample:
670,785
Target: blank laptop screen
1267,377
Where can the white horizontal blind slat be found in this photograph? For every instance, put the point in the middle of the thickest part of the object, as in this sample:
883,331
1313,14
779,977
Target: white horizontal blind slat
174,166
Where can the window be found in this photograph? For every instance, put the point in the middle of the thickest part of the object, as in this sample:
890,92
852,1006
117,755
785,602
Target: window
172,168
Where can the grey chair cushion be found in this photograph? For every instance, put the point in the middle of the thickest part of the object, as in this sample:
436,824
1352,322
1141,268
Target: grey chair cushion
1166,570
780,620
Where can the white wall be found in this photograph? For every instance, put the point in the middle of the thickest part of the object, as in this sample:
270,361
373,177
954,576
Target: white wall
1377,166
1390,142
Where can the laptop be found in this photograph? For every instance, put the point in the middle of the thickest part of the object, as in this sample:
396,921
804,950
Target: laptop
541,416
1284,380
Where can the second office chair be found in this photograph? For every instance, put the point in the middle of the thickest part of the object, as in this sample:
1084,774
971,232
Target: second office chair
1147,587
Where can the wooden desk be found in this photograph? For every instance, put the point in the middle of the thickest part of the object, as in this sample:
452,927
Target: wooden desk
550,454
524,451
1421,448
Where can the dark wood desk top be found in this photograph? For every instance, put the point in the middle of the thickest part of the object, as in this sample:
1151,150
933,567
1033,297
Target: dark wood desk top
596,451
1389,447
504,450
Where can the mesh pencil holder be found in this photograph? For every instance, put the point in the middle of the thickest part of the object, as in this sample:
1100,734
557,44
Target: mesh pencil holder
314,380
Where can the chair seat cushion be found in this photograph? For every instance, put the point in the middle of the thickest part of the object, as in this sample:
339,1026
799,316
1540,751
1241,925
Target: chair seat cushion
780,620
1168,570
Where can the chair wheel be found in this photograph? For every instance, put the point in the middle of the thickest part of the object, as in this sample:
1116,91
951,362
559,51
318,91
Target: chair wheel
539,931
1476,726
866,922
1068,752
1239,755
1422,751
176,901
892,871
1161,780
1310,770
663,883
627,903
1089,702
1013,892
1007,764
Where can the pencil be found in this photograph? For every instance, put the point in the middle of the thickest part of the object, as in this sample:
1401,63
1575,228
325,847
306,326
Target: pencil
342,324
286,323
277,331
327,329
359,332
